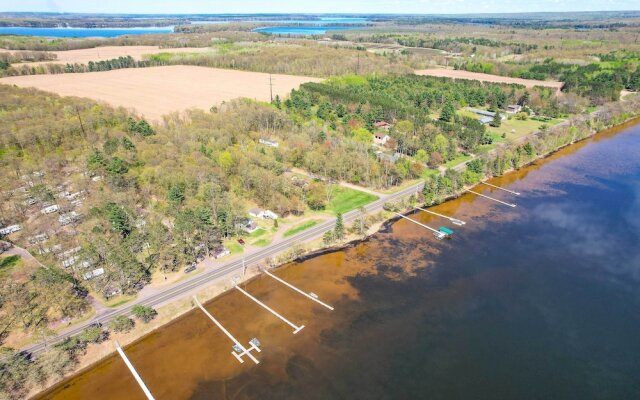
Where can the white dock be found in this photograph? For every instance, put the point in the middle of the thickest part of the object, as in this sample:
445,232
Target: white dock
146,390
307,295
266,307
501,188
454,221
491,198
439,235
239,349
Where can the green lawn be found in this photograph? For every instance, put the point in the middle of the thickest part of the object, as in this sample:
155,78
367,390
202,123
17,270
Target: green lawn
7,264
299,228
257,233
516,129
261,242
235,247
429,172
347,199
460,159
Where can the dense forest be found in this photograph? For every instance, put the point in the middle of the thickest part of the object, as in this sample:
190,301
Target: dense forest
308,60
426,125
155,197
598,81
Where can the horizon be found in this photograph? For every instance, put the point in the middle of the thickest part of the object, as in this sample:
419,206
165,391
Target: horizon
330,7
231,14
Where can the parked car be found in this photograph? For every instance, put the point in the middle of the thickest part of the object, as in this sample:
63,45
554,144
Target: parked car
241,241
190,268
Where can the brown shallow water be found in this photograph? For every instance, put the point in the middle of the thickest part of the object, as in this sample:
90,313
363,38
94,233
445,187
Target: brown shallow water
474,317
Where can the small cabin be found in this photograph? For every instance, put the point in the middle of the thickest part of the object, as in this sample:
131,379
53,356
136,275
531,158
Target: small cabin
93,274
380,138
50,209
269,142
250,226
220,252
10,229
382,125
263,214
514,109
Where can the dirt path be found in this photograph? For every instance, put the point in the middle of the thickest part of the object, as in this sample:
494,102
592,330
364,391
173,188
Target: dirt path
24,254
341,183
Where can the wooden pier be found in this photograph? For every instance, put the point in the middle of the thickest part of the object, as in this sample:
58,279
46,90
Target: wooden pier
454,221
501,188
307,295
295,327
491,198
439,235
144,388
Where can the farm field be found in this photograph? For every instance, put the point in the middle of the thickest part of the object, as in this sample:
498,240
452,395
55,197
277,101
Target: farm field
157,91
83,56
460,74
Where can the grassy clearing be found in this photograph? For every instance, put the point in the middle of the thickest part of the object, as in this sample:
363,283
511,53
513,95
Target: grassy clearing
299,228
515,129
429,172
118,301
257,233
234,247
8,263
261,242
347,199
460,159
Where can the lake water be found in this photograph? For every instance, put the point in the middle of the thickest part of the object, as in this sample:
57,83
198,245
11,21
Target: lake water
306,30
318,21
535,302
81,32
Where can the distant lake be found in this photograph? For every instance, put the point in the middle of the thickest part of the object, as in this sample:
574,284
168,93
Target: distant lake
305,30
318,21
81,32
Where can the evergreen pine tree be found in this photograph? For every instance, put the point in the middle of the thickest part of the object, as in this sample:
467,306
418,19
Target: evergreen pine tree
338,231
497,120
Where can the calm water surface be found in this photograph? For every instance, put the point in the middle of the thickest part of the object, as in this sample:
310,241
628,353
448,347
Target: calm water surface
306,30
536,302
81,32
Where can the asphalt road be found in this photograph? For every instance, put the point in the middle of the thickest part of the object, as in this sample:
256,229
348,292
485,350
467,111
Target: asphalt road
180,289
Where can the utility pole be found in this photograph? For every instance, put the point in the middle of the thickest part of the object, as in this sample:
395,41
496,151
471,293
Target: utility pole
81,124
358,65
271,87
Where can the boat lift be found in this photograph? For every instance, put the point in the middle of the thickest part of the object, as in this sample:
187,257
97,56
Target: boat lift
491,198
144,388
501,188
311,296
439,234
238,349
295,327
454,221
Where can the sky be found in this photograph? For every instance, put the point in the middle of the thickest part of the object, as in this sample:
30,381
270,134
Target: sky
315,6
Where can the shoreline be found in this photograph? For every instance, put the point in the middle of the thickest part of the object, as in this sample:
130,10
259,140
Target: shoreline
313,248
